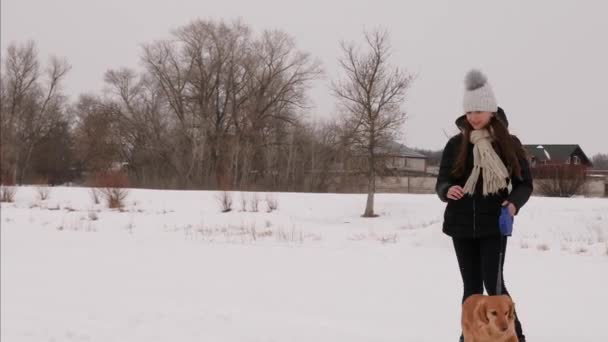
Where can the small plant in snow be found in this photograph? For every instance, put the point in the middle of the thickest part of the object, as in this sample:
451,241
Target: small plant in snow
252,231
93,216
357,237
90,228
294,235
597,231
115,197
543,247
254,202
264,233
225,201
272,202
389,238
313,236
43,191
243,202
7,193
129,227
94,193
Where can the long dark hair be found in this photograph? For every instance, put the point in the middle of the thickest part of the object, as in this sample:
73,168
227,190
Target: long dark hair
507,147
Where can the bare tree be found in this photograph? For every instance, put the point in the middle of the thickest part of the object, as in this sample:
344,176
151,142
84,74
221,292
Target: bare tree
97,143
371,92
33,104
600,161
326,149
143,128
215,106
170,69
235,99
21,72
282,75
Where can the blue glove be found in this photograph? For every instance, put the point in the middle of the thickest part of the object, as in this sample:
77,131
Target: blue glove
505,222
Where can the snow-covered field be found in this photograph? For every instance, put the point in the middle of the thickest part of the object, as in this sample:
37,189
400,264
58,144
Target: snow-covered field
172,267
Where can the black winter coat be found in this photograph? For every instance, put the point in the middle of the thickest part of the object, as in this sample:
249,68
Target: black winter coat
476,216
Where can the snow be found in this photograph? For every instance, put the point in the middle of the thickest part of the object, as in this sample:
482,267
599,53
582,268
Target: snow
172,267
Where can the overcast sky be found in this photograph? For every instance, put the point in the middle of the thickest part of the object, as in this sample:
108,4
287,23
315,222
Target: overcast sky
547,60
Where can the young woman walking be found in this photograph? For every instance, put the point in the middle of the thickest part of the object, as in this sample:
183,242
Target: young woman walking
483,169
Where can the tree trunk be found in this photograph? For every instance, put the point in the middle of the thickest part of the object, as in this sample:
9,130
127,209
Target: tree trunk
371,190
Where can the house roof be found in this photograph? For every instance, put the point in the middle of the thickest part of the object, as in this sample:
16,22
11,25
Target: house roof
401,150
559,153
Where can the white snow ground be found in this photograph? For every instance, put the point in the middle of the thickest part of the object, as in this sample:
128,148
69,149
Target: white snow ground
171,267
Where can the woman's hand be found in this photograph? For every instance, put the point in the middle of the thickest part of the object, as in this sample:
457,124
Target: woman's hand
455,192
511,207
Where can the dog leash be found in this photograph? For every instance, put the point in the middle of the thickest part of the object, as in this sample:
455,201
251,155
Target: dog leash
505,220
503,242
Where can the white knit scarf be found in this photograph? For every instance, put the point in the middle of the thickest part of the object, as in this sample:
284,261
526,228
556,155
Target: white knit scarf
486,160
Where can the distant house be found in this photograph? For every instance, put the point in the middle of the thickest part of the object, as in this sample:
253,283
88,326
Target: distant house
398,160
401,170
402,159
557,154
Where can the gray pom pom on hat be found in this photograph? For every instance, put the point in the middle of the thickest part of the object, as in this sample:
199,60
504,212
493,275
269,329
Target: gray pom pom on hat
475,79
478,95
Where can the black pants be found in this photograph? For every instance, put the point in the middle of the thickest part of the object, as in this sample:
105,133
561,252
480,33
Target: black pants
478,262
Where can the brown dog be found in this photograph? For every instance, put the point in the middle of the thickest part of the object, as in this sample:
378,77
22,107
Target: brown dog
488,319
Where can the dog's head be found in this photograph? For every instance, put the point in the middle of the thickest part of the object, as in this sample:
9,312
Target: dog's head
497,312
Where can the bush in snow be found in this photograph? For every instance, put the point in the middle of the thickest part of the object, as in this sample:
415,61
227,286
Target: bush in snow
7,193
563,180
272,202
243,202
388,238
94,192
254,202
93,216
293,235
225,201
543,247
42,188
7,189
112,187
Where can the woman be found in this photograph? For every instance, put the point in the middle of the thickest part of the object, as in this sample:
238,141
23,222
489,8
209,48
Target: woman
483,169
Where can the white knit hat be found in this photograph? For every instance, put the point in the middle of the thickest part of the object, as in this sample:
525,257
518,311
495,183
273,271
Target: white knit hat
478,95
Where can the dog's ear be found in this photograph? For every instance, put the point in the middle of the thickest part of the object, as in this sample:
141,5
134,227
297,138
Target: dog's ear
482,312
511,310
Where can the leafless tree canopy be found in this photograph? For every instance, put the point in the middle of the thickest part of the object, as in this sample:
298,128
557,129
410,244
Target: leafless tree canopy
600,161
371,93
32,104
211,106
219,104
